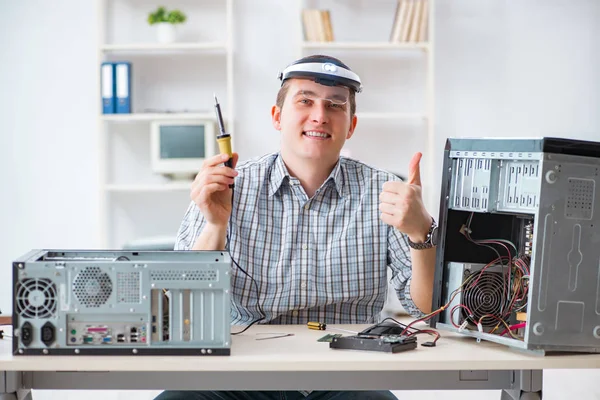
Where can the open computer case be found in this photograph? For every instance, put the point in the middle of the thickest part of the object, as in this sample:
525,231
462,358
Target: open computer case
518,256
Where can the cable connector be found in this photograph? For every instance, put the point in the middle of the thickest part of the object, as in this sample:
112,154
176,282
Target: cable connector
463,326
480,327
464,230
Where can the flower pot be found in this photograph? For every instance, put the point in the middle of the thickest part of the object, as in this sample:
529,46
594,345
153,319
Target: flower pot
165,32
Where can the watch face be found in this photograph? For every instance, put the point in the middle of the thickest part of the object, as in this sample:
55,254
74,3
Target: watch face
434,236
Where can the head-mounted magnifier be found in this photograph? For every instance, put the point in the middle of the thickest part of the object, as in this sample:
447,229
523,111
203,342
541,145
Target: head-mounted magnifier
325,73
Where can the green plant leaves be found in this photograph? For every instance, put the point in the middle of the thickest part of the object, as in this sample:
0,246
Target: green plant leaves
161,15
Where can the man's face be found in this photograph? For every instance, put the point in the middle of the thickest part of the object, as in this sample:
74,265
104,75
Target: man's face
314,121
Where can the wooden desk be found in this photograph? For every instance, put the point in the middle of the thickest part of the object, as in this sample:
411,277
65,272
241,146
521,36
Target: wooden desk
297,362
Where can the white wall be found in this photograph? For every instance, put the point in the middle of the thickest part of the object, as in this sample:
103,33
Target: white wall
518,68
48,153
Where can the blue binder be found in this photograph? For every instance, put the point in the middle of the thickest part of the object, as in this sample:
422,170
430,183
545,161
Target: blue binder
107,77
123,87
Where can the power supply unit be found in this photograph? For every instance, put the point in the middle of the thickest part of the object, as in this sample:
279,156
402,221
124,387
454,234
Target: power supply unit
518,256
69,302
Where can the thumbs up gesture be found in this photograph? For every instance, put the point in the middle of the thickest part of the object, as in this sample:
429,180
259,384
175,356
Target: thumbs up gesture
401,204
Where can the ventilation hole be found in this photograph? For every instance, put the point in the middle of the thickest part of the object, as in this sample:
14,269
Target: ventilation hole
92,287
187,275
485,298
128,287
36,298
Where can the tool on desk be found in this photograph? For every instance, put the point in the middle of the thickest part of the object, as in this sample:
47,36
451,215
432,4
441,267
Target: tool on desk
319,326
274,335
223,139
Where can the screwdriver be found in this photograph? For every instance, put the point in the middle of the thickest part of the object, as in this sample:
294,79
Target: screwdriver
319,326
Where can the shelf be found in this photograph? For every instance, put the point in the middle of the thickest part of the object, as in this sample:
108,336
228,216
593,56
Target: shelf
160,47
134,117
158,187
389,115
365,45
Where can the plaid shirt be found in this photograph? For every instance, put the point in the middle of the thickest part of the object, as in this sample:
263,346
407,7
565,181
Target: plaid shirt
320,259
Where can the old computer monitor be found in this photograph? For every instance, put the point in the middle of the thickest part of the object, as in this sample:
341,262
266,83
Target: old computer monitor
178,147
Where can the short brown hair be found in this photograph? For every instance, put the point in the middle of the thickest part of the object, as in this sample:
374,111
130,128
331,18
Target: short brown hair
285,87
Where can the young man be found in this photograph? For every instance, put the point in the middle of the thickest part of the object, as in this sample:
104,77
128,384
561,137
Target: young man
314,231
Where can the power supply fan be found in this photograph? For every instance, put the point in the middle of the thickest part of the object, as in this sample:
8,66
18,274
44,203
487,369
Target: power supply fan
92,287
36,298
485,297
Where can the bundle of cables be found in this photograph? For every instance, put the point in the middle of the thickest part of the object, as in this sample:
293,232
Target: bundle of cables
484,304
407,330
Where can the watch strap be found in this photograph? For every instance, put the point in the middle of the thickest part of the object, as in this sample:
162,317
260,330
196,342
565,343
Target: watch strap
428,243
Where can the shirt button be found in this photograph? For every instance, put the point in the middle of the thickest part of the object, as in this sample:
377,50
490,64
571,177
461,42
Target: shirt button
306,207
295,313
304,246
303,285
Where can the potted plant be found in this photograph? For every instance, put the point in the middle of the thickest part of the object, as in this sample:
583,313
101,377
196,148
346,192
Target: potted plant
165,22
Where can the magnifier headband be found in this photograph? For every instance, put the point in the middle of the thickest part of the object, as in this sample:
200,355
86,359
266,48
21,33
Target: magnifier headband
325,73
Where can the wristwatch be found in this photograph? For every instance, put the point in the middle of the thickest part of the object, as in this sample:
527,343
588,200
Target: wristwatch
430,241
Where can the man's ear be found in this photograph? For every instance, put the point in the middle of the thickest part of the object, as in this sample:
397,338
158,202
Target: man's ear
276,117
352,127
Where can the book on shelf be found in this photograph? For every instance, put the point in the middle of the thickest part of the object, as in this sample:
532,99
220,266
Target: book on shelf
317,25
410,21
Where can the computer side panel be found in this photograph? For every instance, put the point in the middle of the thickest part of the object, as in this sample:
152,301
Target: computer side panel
564,307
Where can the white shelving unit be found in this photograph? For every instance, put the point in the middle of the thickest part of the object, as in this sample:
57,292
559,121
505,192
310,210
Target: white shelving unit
165,187
123,139
141,117
366,49
171,47
365,45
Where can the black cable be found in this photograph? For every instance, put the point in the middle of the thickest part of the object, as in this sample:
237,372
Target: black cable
260,309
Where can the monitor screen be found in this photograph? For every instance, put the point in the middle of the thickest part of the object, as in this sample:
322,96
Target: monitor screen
179,147
182,141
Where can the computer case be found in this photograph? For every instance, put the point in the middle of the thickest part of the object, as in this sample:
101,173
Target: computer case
518,256
103,302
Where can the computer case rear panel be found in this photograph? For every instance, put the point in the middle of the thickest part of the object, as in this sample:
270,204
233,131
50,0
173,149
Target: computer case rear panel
104,302
518,259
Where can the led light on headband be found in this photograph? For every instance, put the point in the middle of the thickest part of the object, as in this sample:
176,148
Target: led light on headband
325,73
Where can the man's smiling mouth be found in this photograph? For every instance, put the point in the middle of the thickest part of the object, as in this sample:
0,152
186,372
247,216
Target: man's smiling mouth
316,135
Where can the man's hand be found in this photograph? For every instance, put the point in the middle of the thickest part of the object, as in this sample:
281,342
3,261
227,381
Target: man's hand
401,204
210,190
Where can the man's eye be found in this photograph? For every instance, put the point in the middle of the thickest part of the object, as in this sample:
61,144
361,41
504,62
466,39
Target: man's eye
334,105
305,101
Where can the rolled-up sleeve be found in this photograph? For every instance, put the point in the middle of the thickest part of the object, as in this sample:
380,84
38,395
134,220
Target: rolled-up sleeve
400,263
190,228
